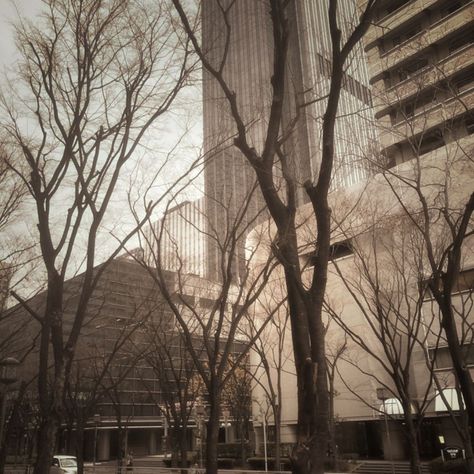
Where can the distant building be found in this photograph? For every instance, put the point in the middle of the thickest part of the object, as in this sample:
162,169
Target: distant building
124,311
182,235
229,180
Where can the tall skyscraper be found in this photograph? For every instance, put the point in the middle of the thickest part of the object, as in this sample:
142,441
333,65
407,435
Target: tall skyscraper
244,50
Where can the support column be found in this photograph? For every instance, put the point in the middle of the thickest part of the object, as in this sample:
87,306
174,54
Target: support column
152,442
103,445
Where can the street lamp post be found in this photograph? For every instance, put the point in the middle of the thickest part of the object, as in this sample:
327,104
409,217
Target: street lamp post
264,429
8,375
96,425
383,395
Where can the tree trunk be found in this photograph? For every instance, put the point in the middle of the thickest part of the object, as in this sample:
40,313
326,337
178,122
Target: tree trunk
80,447
277,437
121,444
461,370
332,425
212,438
242,442
46,444
411,432
183,446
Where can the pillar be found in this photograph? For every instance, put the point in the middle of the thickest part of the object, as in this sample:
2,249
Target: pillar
103,445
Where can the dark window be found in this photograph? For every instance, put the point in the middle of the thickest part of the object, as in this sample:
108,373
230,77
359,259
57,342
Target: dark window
465,282
394,5
442,357
411,68
412,31
460,41
340,249
409,110
469,122
430,141
464,81
452,7
336,251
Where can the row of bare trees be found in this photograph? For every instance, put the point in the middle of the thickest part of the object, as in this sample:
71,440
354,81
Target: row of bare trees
95,81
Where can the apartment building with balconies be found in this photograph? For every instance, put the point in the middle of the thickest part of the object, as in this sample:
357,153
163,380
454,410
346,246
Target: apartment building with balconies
421,66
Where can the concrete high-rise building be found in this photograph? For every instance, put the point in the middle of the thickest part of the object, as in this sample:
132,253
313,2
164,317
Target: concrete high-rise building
246,56
181,233
421,66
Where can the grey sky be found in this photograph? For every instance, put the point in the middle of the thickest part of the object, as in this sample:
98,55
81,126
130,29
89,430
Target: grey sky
8,13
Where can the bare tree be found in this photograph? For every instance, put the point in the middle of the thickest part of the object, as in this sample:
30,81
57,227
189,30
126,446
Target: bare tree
93,79
177,382
434,151
383,280
210,315
280,196
236,400
271,356
335,353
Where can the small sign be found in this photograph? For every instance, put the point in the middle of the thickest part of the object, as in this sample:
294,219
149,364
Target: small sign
449,453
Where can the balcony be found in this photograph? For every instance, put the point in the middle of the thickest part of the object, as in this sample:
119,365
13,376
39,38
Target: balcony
427,119
384,100
395,19
420,42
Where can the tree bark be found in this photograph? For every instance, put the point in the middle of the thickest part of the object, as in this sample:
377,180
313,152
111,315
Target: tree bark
80,446
461,370
412,435
212,432
46,445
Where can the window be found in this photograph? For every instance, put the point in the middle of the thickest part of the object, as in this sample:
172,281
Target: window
452,399
442,357
469,123
336,251
412,31
393,6
391,41
430,141
409,110
340,250
464,81
460,41
392,406
411,68
452,7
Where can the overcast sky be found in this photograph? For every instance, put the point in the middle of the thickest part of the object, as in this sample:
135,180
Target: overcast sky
8,13
186,116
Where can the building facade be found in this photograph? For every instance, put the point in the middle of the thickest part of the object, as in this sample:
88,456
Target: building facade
245,53
420,63
421,67
373,293
132,369
181,235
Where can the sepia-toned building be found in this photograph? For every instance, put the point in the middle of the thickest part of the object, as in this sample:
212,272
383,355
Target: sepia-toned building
245,53
181,235
376,260
119,388
421,66
421,69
